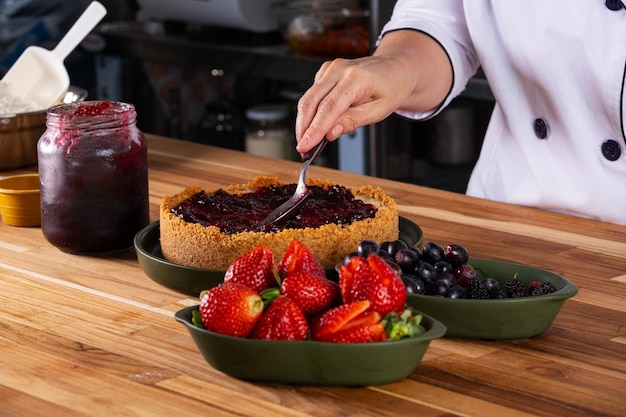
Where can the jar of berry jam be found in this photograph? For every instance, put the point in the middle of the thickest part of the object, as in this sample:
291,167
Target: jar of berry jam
94,177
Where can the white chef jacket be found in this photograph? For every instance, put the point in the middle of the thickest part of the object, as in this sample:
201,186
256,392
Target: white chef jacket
557,69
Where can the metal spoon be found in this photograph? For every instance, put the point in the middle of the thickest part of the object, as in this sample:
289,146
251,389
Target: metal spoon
302,192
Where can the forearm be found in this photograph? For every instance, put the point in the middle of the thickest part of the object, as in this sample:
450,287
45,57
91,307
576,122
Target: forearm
427,71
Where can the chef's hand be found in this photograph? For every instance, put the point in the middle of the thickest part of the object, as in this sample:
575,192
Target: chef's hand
408,70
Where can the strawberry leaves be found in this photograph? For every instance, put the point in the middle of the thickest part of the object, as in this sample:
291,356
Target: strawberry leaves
406,324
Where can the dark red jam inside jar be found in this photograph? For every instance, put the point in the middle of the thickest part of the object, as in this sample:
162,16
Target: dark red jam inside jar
93,171
236,213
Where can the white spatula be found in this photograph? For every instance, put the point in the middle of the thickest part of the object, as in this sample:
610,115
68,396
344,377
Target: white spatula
39,74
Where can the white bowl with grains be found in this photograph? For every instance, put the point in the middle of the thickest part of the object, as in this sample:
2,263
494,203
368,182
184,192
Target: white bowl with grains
21,125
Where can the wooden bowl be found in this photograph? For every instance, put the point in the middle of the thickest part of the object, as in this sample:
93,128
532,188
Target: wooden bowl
20,133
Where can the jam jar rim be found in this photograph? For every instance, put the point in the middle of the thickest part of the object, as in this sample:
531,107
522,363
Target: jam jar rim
117,114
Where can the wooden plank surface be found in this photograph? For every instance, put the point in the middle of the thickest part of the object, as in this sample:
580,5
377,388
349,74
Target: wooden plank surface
83,335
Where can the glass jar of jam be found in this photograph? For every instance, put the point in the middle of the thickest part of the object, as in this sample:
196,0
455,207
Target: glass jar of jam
94,177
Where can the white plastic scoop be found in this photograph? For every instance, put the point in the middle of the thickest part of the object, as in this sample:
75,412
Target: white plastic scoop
39,74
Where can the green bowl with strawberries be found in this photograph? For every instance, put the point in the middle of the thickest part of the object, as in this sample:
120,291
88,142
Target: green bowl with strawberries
499,319
311,362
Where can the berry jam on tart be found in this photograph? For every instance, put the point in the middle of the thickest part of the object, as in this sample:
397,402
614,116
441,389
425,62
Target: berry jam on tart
210,229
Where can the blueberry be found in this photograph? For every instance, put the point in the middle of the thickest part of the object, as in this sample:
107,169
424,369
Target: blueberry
432,253
447,277
413,284
456,254
406,259
464,274
417,251
456,291
426,272
395,267
396,246
367,247
439,288
443,266
384,247
493,287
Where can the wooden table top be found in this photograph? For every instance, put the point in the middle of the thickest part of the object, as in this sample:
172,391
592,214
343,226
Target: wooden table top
94,336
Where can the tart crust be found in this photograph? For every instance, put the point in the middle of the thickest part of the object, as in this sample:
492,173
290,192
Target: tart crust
195,245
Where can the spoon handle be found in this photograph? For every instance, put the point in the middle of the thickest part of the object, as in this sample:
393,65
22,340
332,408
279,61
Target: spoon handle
81,28
312,154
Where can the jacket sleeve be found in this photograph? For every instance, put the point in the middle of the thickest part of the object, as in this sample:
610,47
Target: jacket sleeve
444,21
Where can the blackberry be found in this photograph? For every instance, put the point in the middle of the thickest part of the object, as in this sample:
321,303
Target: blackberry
514,288
493,287
543,289
478,290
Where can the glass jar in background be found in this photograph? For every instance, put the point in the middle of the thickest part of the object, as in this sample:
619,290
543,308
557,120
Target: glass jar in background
268,133
222,125
93,171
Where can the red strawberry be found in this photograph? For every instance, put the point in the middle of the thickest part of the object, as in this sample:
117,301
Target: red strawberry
254,269
349,323
298,258
333,320
374,280
360,334
312,293
281,320
231,309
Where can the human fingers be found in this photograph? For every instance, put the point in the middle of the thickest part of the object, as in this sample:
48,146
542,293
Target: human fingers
323,111
308,105
346,95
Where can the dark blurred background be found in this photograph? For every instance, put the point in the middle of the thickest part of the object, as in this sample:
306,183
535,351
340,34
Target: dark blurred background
194,70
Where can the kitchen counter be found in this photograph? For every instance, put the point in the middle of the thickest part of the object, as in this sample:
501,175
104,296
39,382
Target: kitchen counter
94,336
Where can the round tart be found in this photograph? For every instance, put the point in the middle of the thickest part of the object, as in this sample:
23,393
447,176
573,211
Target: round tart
331,222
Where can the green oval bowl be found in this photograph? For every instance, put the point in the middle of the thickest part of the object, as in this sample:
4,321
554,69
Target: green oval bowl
310,362
513,318
192,281
180,278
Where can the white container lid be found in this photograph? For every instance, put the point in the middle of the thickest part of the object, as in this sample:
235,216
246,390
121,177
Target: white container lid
268,112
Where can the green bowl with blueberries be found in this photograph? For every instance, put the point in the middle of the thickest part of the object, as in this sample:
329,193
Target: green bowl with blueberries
499,318
475,298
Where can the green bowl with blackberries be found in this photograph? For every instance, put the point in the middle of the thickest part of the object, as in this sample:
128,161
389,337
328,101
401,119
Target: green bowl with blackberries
475,298
500,317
